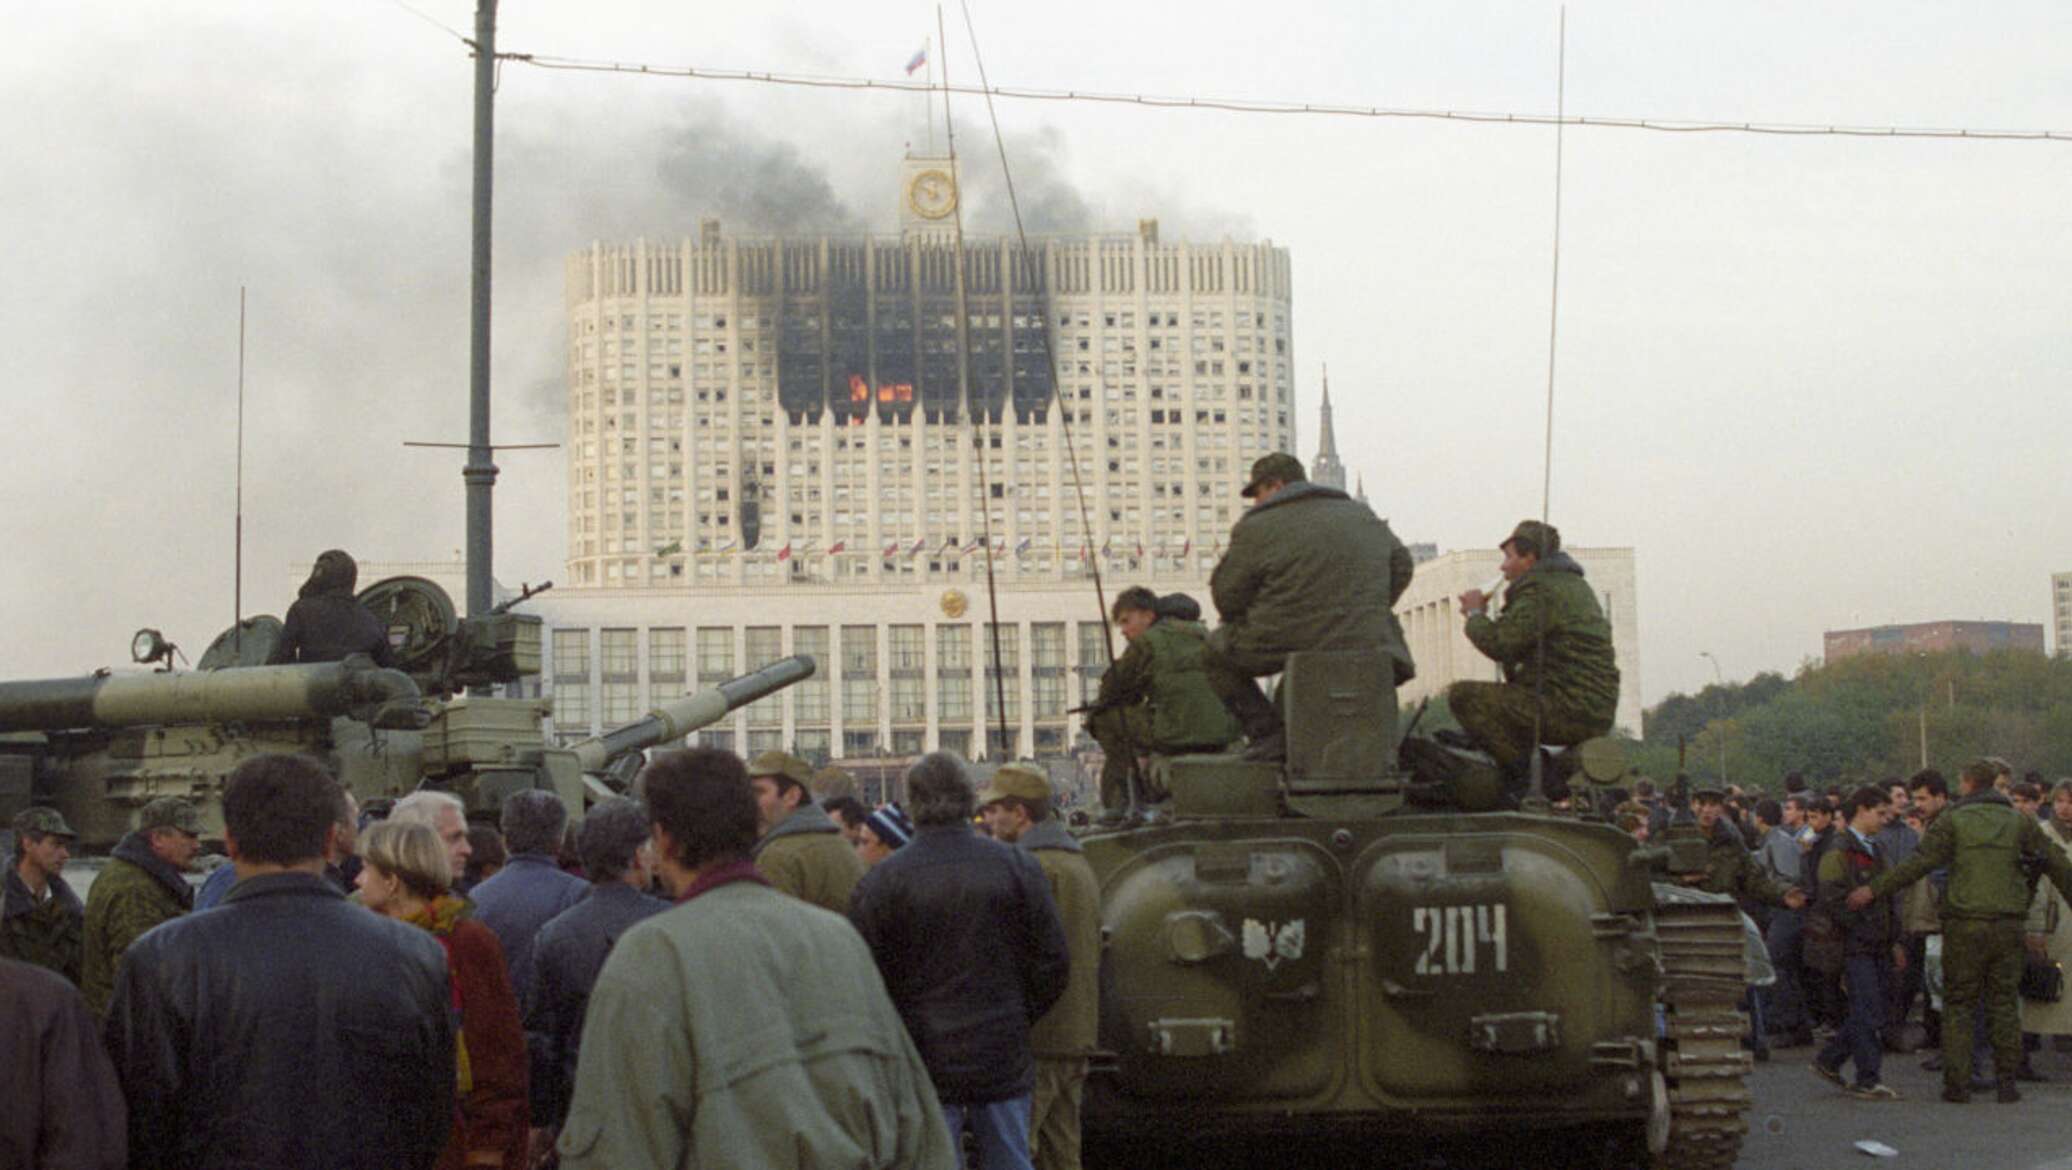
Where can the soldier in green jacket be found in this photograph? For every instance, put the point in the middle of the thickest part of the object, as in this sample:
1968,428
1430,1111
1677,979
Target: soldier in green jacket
802,851
1988,846
1729,867
1309,568
41,920
1156,698
1555,648
1017,806
143,885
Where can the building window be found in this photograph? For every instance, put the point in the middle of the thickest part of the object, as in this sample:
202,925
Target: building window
812,746
715,654
621,703
572,708
764,741
618,655
764,646
956,740
572,655
859,743
859,651
953,698
953,650
860,701
723,740
809,698
666,658
1093,659
909,700
908,648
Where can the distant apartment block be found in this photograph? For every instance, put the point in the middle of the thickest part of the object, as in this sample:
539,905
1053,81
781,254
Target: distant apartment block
1934,638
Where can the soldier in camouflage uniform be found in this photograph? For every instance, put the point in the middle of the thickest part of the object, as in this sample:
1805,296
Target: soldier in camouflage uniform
1016,804
143,886
41,920
803,851
1729,867
1156,697
1986,844
1555,648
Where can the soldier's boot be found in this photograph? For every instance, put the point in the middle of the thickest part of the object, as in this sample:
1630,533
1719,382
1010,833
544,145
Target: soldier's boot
1266,738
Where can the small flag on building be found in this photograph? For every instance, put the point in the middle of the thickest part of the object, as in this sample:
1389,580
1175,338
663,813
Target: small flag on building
1021,548
920,542
891,549
728,546
1188,547
836,547
919,59
784,554
670,549
973,546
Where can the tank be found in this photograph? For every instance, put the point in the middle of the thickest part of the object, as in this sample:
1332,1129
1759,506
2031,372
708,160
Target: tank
1379,939
99,747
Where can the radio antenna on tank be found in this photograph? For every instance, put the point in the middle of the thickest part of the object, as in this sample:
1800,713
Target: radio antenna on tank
237,559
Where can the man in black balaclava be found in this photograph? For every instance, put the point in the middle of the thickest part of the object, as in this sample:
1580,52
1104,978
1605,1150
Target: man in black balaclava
326,623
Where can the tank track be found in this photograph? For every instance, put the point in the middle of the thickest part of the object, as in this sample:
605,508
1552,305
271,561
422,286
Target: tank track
1703,975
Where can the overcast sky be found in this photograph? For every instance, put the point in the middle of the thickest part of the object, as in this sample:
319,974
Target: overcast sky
1815,383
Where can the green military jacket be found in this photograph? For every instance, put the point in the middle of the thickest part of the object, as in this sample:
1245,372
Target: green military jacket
1983,840
1582,675
1731,869
807,857
134,893
1313,569
1162,669
49,933
1068,1030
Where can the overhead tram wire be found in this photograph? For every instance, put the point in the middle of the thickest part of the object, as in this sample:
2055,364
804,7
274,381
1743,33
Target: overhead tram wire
1292,108
979,439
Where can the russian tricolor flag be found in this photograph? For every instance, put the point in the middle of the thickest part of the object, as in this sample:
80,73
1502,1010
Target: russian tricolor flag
919,59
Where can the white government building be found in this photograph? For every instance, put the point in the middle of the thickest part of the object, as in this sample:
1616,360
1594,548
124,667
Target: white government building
770,453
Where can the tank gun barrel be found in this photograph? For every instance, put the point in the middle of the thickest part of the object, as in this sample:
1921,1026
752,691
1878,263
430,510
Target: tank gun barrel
235,694
680,717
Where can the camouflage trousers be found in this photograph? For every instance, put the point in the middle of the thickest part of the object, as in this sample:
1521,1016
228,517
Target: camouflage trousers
1982,959
1054,1112
1499,716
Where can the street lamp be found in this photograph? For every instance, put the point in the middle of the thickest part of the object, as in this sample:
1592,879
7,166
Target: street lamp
1719,677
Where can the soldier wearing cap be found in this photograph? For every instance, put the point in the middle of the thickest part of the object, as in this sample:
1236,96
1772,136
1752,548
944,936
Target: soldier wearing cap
1309,568
41,919
1561,683
802,851
1729,867
1016,804
144,885
830,782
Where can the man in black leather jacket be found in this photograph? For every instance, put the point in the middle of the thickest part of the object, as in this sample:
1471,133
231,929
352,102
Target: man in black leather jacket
973,952
287,1027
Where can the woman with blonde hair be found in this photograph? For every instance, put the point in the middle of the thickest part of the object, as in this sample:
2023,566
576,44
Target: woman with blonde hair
408,877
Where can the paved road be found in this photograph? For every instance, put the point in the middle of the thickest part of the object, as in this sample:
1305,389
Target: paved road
1803,1123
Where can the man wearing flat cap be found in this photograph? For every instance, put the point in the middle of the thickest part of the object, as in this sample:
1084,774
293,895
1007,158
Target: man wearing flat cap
1561,683
802,851
1309,568
1017,806
144,885
41,919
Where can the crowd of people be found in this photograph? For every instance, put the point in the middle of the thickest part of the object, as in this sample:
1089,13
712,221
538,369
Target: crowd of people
743,965
1898,916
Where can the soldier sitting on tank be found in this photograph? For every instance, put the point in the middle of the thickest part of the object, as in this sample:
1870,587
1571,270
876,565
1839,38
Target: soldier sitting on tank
327,622
1155,698
1309,568
1561,684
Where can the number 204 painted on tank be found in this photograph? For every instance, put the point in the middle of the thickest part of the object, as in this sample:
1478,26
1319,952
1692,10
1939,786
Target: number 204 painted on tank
1458,939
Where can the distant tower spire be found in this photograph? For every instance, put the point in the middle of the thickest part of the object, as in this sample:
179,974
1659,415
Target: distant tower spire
1327,468
1361,495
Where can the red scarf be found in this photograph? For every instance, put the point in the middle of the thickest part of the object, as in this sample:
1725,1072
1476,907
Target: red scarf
742,870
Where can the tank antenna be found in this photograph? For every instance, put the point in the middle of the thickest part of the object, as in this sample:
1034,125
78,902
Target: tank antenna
1050,363
1539,677
237,558
979,444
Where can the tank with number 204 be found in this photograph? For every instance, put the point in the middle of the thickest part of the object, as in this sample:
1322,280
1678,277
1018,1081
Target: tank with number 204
98,747
1378,939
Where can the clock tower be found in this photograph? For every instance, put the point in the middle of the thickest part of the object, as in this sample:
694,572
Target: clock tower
928,195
